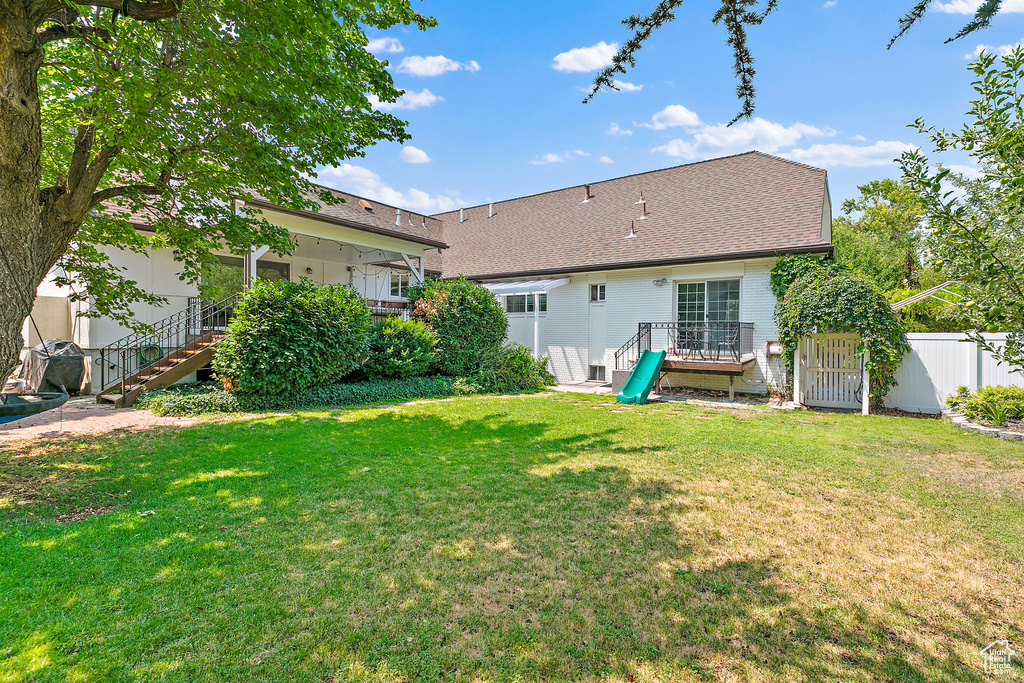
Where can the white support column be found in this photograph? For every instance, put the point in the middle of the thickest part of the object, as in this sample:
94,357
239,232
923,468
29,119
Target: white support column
865,391
417,272
250,260
536,325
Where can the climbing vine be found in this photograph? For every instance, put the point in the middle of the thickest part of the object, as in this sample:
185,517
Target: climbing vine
824,299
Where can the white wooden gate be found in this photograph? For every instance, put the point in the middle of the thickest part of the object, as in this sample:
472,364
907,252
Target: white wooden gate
830,373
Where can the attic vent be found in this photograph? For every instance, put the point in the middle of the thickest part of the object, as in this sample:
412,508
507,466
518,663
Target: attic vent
366,205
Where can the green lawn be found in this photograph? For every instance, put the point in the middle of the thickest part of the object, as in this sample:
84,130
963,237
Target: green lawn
499,539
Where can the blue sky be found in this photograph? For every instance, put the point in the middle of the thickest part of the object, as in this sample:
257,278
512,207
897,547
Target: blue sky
493,95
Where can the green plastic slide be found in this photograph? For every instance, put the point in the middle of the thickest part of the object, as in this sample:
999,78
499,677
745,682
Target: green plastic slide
642,379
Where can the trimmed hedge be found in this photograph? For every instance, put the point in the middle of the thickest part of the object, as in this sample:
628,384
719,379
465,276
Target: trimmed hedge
197,399
289,336
400,348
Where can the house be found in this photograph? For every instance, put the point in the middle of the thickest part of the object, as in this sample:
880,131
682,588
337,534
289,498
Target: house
675,259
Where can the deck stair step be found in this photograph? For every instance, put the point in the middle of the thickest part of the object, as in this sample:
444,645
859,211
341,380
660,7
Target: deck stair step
164,372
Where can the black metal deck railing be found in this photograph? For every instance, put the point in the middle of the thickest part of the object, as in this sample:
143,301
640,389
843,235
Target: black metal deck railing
706,341
139,350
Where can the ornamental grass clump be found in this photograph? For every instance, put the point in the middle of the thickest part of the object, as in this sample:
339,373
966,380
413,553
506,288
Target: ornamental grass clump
825,299
468,320
290,336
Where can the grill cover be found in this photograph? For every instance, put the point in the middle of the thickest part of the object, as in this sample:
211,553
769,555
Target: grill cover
66,362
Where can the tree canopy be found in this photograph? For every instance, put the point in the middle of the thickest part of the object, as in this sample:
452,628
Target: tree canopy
115,113
736,16
879,234
977,225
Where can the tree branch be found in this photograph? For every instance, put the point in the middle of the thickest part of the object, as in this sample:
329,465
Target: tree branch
54,33
105,195
141,11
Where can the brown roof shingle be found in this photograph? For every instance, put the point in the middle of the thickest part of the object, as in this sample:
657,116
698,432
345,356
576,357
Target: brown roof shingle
747,204
423,229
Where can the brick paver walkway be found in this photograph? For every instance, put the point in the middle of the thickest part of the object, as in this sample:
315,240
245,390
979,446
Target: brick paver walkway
83,415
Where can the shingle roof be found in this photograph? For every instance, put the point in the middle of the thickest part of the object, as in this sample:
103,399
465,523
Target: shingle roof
423,229
747,204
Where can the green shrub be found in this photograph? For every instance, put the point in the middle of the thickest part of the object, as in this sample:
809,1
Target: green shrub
288,336
400,348
512,368
468,320
995,405
957,401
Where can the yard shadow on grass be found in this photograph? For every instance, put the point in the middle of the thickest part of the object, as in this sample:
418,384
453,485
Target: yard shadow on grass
415,548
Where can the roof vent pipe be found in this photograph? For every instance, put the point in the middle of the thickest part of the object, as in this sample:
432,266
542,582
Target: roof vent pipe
490,210
586,194
643,210
398,217
462,218
641,200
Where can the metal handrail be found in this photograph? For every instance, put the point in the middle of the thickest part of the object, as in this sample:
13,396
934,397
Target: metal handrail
708,341
179,331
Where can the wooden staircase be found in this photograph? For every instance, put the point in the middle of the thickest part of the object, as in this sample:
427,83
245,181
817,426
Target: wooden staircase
170,369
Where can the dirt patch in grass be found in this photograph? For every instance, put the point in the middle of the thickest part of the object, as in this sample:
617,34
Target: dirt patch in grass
84,513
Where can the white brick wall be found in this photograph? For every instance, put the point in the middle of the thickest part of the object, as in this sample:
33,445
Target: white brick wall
632,298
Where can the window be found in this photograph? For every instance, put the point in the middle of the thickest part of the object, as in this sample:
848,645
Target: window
691,302
226,276
524,303
517,303
714,300
597,373
597,292
724,301
399,283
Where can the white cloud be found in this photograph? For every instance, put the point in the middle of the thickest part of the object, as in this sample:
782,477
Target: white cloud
385,44
719,139
623,86
971,6
433,66
606,160
881,153
365,183
414,155
410,100
970,172
552,158
670,117
615,130
830,3
1002,50
859,138
586,58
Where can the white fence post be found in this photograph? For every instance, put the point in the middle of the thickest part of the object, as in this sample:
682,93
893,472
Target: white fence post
796,372
865,392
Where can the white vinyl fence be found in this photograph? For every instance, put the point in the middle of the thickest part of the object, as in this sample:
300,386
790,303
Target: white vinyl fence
939,363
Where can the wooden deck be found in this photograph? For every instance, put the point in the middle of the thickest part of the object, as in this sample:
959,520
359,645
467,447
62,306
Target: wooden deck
709,367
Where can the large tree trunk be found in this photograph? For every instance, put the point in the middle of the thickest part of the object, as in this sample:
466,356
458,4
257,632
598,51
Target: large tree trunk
21,238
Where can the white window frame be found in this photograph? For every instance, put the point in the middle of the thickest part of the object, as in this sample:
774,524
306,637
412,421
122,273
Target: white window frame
602,293
403,283
704,282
